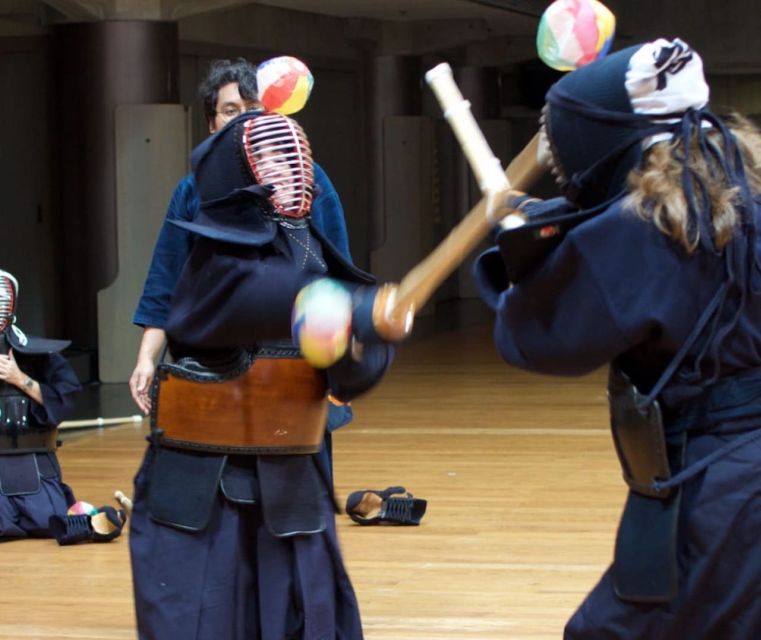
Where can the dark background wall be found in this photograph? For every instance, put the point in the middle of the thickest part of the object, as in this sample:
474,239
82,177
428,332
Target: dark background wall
65,69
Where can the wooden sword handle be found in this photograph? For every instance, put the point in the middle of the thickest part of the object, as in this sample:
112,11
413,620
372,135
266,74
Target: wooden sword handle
395,306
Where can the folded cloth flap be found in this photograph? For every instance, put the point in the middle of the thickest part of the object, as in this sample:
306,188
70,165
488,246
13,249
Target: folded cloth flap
645,565
239,482
183,487
293,493
19,475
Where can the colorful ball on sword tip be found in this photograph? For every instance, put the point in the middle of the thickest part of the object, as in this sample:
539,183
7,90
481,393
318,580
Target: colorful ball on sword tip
284,84
573,33
81,508
321,322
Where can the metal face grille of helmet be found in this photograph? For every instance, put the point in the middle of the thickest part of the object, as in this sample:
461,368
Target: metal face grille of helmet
278,155
8,292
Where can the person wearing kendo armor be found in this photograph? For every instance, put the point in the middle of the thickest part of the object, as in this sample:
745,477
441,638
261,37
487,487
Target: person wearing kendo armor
650,263
237,540
37,392
228,89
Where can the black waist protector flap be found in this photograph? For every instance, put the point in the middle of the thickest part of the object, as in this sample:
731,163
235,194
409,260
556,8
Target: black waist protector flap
638,436
183,487
645,564
292,495
19,475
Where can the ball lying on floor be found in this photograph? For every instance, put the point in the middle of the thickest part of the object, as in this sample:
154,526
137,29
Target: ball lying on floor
81,508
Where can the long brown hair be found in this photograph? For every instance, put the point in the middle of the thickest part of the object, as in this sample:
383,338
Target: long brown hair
656,191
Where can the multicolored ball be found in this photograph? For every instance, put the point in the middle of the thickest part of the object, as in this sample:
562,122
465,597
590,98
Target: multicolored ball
321,322
284,84
81,508
573,33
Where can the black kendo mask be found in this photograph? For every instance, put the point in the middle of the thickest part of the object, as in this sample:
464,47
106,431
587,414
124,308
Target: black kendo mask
8,294
254,171
11,336
598,117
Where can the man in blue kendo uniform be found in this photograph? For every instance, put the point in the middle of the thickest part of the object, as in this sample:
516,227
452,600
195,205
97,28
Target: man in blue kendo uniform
224,544
228,90
651,264
37,391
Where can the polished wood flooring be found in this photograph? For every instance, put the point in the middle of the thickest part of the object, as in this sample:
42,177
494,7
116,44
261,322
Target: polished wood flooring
523,492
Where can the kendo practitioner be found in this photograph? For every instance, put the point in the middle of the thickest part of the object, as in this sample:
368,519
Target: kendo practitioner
229,89
233,534
37,392
651,264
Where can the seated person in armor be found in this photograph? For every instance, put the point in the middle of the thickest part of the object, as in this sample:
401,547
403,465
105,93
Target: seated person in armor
233,536
37,391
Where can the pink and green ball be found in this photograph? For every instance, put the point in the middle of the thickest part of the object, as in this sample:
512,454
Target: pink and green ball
284,84
321,322
573,33
81,508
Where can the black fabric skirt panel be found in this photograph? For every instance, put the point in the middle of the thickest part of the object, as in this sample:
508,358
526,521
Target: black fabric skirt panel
719,549
234,580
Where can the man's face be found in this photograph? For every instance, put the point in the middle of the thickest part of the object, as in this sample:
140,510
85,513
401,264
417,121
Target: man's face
229,105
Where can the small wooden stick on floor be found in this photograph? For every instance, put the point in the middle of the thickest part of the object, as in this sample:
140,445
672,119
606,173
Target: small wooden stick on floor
123,500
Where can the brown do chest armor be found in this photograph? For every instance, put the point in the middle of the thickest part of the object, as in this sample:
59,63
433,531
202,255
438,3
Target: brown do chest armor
268,402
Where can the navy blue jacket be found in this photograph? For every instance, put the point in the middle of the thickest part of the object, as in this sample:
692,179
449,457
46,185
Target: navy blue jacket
614,286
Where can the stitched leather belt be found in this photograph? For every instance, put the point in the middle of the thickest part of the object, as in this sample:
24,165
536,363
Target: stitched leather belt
263,405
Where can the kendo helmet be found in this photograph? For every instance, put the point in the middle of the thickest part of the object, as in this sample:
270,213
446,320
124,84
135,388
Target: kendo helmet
252,174
8,295
599,118
10,334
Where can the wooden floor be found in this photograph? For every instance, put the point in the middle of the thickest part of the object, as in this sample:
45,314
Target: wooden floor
523,487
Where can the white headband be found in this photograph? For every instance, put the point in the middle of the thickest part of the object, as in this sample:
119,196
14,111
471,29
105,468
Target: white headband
665,76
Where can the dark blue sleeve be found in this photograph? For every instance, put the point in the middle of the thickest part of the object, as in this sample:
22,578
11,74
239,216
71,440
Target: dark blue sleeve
169,255
614,283
556,320
234,295
328,213
59,386
352,376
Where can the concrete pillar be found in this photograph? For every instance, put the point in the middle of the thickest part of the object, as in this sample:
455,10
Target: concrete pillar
394,89
97,66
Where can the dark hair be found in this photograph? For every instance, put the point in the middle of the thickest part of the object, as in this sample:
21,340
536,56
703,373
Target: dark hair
222,72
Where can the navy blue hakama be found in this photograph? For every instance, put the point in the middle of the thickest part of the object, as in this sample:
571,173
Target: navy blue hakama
234,580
